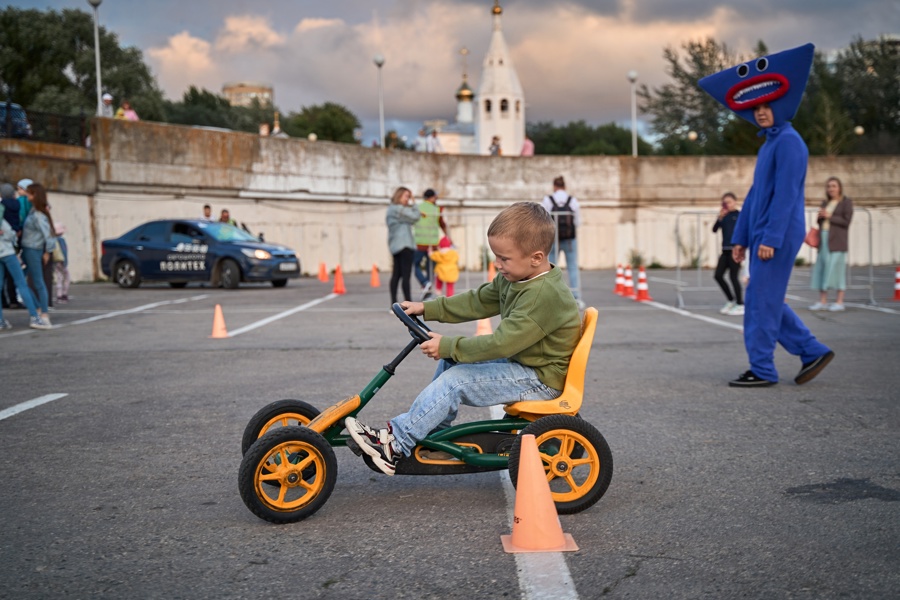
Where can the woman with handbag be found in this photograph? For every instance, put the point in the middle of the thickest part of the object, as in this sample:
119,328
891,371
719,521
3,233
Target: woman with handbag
830,270
38,243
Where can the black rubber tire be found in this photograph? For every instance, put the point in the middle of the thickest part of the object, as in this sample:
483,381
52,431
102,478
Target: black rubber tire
229,274
302,471
586,463
279,282
288,412
126,274
178,284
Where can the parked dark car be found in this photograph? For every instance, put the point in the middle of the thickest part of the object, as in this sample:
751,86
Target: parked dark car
13,121
181,251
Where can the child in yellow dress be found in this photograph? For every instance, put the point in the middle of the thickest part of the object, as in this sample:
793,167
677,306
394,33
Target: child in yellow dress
446,268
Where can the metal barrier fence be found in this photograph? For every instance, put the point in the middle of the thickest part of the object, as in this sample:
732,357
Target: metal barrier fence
682,286
43,126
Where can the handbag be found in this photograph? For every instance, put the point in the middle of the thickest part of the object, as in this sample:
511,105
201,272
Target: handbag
812,238
58,255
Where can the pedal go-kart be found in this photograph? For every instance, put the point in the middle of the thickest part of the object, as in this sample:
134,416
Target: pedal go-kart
289,467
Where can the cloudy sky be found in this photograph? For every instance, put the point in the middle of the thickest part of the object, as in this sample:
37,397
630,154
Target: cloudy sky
572,56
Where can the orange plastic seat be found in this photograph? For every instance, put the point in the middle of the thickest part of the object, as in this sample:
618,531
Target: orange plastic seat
569,402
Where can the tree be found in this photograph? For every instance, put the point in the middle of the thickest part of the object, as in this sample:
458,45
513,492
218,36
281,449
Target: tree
202,107
579,138
679,107
329,121
47,64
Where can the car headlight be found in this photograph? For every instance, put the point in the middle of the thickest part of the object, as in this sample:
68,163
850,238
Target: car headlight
260,254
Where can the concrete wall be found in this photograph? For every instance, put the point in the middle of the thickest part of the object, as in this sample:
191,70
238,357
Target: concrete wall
328,200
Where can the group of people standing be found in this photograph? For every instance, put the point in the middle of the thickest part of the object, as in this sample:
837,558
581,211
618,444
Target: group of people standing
29,237
224,216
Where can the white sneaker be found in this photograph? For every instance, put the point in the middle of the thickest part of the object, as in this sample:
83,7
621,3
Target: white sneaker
836,307
818,306
736,311
4,324
39,323
727,308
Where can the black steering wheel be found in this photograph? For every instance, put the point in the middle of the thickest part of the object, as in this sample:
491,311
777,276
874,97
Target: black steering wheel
417,328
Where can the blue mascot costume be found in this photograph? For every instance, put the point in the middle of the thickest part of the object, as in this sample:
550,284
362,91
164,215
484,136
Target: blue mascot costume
771,227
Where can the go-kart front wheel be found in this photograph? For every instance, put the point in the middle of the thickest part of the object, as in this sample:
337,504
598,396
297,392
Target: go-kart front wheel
287,475
283,413
576,459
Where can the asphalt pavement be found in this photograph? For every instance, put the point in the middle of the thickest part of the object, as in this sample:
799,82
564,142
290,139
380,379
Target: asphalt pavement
124,484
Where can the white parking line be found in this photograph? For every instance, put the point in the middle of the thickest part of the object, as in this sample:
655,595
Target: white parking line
14,410
119,313
280,315
542,575
685,313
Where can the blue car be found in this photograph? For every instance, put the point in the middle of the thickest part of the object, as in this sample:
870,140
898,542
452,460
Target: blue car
13,121
185,250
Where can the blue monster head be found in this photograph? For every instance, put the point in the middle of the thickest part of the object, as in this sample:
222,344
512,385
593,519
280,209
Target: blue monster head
778,79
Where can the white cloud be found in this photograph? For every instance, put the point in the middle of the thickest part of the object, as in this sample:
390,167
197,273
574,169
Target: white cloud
247,33
185,61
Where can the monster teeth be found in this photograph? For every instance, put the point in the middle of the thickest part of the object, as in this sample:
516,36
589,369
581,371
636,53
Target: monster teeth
754,88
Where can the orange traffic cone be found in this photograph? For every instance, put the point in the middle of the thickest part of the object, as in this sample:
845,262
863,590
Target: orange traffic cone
218,330
375,281
339,281
323,273
620,281
628,290
897,286
643,291
492,272
484,327
536,526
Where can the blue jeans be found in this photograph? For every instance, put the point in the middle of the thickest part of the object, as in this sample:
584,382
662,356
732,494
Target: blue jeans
34,260
473,384
421,275
570,249
11,263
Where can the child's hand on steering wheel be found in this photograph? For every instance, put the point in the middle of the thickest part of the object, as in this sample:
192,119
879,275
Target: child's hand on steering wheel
432,348
413,308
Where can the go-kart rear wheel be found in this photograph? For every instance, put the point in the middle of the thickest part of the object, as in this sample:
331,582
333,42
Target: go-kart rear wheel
287,475
576,457
283,413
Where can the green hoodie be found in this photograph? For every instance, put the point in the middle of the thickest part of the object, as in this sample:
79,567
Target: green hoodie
539,326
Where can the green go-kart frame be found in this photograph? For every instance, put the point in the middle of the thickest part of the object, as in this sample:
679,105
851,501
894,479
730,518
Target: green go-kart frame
289,467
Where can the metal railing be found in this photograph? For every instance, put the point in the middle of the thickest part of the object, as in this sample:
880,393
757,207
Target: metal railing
45,127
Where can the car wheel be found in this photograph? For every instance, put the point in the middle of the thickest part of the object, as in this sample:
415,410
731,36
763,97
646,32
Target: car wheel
229,274
126,274
178,284
279,282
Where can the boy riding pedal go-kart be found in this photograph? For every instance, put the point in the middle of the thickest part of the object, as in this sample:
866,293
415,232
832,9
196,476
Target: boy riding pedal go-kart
534,362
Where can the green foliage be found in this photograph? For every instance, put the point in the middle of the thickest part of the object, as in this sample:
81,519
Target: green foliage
47,64
204,108
329,121
579,138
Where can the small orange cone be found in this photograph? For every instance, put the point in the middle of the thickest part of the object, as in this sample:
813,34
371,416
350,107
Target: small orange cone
536,526
643,291
897,286
628,290
484,327
492,272
339,281
323,273
620,281
376,280
218,330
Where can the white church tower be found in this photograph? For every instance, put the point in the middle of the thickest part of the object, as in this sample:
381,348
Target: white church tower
500,107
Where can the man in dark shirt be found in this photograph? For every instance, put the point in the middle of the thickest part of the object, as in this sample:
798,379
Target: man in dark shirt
728,216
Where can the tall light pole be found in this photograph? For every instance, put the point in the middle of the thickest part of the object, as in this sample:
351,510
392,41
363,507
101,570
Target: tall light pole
96,5
632,77
379,62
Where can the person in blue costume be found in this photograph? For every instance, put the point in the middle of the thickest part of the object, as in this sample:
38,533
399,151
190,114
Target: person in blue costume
771,227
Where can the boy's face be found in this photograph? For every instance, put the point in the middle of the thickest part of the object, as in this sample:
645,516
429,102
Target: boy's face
763,115
514,264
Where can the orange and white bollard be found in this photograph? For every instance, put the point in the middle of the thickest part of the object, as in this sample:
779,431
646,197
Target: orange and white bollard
620,281
897,286
628,290
643,291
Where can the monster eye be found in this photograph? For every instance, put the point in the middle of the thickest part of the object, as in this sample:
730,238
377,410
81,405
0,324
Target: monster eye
743,71
762,64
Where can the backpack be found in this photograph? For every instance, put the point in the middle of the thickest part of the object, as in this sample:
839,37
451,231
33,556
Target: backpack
565,219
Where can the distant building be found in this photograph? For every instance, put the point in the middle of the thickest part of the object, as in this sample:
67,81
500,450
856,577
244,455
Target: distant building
243,93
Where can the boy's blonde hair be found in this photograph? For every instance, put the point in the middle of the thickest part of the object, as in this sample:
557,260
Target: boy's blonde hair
527,224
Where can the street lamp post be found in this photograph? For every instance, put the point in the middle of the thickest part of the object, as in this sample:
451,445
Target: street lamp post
96,5
379,62
632,77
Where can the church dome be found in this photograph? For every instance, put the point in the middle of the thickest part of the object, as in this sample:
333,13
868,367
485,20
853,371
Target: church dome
465,92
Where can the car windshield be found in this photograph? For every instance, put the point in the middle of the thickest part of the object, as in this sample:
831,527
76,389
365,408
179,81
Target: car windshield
223,232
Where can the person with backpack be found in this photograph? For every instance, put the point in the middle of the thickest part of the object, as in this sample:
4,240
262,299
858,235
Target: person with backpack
564,209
